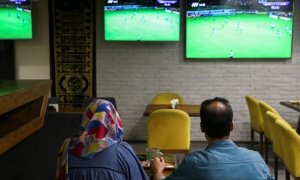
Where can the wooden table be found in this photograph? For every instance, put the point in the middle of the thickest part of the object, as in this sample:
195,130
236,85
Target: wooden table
294,106
166,172
191,109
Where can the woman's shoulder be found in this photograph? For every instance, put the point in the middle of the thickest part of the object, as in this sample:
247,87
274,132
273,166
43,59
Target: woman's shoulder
124,145
126,150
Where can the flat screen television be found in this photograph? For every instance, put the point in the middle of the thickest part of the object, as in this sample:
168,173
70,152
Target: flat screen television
141,20
15,19
239,29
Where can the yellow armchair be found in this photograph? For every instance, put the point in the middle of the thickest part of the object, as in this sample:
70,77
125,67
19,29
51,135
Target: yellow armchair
256,121
264,107
169,130
271,119
290,142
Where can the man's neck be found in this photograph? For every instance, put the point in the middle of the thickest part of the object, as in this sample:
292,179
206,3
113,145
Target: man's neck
213,139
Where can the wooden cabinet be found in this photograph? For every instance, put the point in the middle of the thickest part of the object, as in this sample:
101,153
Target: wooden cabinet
23,104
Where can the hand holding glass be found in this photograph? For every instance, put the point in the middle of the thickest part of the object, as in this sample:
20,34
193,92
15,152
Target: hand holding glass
152,153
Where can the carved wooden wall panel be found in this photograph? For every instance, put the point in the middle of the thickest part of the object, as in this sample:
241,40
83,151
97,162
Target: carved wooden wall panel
72,50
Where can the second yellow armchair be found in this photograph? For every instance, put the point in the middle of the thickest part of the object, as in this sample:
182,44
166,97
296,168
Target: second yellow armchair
165,98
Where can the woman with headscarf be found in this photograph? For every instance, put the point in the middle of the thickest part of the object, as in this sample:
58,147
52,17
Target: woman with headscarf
99,152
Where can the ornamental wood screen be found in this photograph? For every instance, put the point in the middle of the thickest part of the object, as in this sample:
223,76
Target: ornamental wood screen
72,50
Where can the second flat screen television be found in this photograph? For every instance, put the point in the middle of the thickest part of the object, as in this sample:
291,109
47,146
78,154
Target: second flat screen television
141,20
239,28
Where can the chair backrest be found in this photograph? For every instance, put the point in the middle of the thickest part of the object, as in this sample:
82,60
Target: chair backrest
264,107
169,130
88,100
271,122
256,120
165,98
290,141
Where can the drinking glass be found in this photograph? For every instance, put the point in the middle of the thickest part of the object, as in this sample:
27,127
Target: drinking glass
152,153
170,160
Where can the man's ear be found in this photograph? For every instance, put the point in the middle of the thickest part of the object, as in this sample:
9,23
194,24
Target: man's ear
231,125
202,129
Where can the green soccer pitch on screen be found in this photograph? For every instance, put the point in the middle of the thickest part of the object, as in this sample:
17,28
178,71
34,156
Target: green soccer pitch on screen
239,29
15,19
141,20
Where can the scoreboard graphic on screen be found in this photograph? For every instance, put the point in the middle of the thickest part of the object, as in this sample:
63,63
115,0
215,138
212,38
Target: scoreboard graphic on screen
167,2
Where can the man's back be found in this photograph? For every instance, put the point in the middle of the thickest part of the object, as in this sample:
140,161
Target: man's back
222,160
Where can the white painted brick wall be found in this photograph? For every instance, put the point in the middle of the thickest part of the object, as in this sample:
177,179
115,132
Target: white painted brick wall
134,72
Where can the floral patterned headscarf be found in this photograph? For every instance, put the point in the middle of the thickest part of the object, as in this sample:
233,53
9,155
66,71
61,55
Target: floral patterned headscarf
101,127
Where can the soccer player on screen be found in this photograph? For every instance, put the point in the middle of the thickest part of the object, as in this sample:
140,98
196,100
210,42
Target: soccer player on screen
231,53
258,24
214,30
238,26
278,33
287,28
226,21
272,26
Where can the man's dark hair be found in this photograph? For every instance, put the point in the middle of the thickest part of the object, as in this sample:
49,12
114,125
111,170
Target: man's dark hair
216,117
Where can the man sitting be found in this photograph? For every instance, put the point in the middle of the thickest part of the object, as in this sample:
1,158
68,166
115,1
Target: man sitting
222,159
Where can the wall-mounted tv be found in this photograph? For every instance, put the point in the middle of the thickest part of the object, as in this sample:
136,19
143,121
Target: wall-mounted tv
239,29
141,20
15,19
